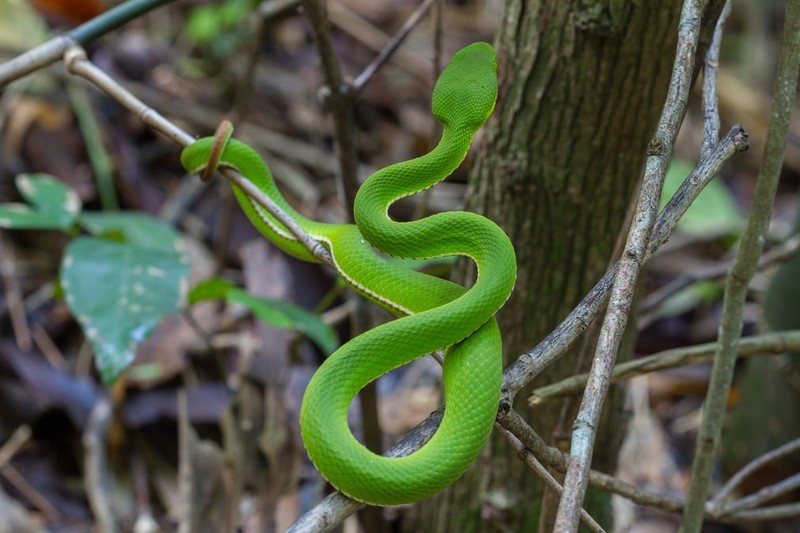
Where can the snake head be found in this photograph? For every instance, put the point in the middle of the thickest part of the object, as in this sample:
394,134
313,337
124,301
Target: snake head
466,91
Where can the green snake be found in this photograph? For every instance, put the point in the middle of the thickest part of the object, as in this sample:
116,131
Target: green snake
435,314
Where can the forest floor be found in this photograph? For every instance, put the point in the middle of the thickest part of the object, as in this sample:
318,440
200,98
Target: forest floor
242,379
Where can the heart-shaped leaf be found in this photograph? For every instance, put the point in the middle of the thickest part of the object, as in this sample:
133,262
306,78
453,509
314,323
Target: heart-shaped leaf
118,291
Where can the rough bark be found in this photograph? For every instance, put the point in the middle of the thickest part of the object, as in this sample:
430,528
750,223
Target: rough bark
581,87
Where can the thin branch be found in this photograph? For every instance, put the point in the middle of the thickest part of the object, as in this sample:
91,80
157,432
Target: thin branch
710,107
51,51
514,423
744,266
98,478
14,300
778,254
536,445
529,459
765,494
14,478
758,345
76,62
790,510
752,466
339,96
393,44
18,439
558,341
625,280
711,13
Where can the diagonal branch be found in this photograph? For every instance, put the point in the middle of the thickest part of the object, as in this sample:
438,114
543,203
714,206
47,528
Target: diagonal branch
766,344
51,51
558,341
625,280
76,62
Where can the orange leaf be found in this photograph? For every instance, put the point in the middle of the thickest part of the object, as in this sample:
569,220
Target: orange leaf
70,11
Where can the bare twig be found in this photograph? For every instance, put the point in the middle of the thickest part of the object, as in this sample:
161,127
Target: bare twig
765,494
17,440
634,256
514,423
778,254
392,45
744,266
339,95
51,51
775,512
529,459
16,307
76,62
710,108
29,492
558,341
534,444
767,344
757,463
98,478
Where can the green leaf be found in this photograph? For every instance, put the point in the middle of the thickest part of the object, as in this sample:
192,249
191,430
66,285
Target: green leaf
274,312
688,298
215,22
713,213
138,229
53,205
210,289
278,313
118,291
202,24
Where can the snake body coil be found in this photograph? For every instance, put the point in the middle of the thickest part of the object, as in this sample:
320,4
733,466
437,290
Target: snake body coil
435,314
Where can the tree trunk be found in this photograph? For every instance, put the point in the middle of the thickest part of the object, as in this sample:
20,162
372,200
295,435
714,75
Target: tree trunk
582,84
